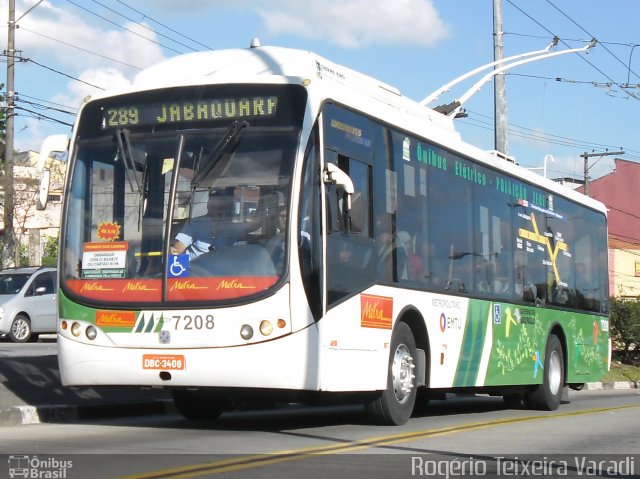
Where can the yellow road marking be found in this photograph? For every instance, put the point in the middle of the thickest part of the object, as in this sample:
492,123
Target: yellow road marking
261,460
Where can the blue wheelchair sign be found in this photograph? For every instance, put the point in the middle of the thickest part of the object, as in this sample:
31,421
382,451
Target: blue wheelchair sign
178,266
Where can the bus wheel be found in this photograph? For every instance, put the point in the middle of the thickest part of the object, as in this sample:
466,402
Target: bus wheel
394,405
20,330
199,404
548,395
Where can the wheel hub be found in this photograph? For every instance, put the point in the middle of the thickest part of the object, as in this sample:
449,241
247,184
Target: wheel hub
402,371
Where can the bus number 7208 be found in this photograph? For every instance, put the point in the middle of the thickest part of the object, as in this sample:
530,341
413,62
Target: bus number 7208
188,322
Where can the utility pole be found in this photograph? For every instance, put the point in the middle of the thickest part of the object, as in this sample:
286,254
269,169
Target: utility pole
586,157
499,91
9,252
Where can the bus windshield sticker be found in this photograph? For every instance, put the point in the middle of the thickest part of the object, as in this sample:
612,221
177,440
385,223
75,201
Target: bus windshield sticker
108,231
104,260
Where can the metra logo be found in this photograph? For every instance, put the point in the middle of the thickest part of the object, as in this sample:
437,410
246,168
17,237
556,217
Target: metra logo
137,286
150,325
185,285
115,318
376,311
233,284
91,286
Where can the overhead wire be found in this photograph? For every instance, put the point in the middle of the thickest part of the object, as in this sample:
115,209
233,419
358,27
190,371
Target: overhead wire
81,49
124,28
536,135
63,74
633,95
142,25
144,15
592,36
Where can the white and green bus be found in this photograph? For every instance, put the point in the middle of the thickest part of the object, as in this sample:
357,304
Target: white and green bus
409,264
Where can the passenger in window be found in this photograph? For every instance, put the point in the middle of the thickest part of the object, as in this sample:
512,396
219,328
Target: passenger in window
586,288
404,253
275,245
214,230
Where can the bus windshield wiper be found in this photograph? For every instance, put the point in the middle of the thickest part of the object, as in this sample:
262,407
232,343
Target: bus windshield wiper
126,155
219,150
124,151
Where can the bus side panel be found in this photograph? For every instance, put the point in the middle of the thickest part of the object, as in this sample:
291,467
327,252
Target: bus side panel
519,338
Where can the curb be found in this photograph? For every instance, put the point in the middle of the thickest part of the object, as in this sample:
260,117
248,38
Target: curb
609,386
24,415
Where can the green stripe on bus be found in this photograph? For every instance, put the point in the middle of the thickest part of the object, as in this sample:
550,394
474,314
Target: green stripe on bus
472,344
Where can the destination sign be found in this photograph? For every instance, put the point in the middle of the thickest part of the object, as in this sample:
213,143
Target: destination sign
184,111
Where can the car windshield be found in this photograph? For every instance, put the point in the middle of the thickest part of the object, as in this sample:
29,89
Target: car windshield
13,283
190,212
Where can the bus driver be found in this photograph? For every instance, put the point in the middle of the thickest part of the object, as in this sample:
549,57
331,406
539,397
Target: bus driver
214,230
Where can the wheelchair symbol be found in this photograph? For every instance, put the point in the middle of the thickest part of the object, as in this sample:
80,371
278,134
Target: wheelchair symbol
179,266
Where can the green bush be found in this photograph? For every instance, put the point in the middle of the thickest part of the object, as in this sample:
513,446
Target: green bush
50,251
625,327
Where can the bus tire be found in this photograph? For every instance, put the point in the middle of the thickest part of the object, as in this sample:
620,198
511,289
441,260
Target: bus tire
394,405
199,404
548,395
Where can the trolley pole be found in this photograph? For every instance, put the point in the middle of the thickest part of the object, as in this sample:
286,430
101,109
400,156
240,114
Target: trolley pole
586,157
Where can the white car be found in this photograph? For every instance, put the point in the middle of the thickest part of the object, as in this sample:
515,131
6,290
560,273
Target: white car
28,302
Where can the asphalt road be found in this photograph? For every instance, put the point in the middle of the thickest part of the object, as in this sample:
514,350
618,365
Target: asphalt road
598,429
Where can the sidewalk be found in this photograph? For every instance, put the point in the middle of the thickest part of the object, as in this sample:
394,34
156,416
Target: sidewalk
31,393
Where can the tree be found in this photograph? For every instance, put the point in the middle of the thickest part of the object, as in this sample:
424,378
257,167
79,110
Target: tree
625,326
50,251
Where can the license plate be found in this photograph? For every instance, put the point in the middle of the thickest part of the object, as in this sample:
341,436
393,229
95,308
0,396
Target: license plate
163,361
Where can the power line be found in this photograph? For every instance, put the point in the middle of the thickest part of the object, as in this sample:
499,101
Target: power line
124,28
44,107
50,102
550,137
592,36
583,58
565,80
41,116
64,74
144,15
143,25
578,40
81,49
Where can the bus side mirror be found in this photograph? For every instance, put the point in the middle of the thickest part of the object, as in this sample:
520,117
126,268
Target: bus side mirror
57,145
335,176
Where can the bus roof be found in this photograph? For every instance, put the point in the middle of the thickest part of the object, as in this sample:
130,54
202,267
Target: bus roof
267,64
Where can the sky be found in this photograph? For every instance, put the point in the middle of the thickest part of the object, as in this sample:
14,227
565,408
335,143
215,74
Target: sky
558,108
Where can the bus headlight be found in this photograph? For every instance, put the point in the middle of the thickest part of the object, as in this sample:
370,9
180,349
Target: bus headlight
246,332
266,328
76,329
91,333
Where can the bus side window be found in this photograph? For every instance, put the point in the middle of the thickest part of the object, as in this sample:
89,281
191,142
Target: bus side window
349,242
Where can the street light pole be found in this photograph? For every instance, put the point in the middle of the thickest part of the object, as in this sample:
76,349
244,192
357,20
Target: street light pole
499,91
586,157
9,252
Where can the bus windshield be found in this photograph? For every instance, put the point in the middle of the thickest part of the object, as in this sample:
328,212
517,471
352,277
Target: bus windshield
184,200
